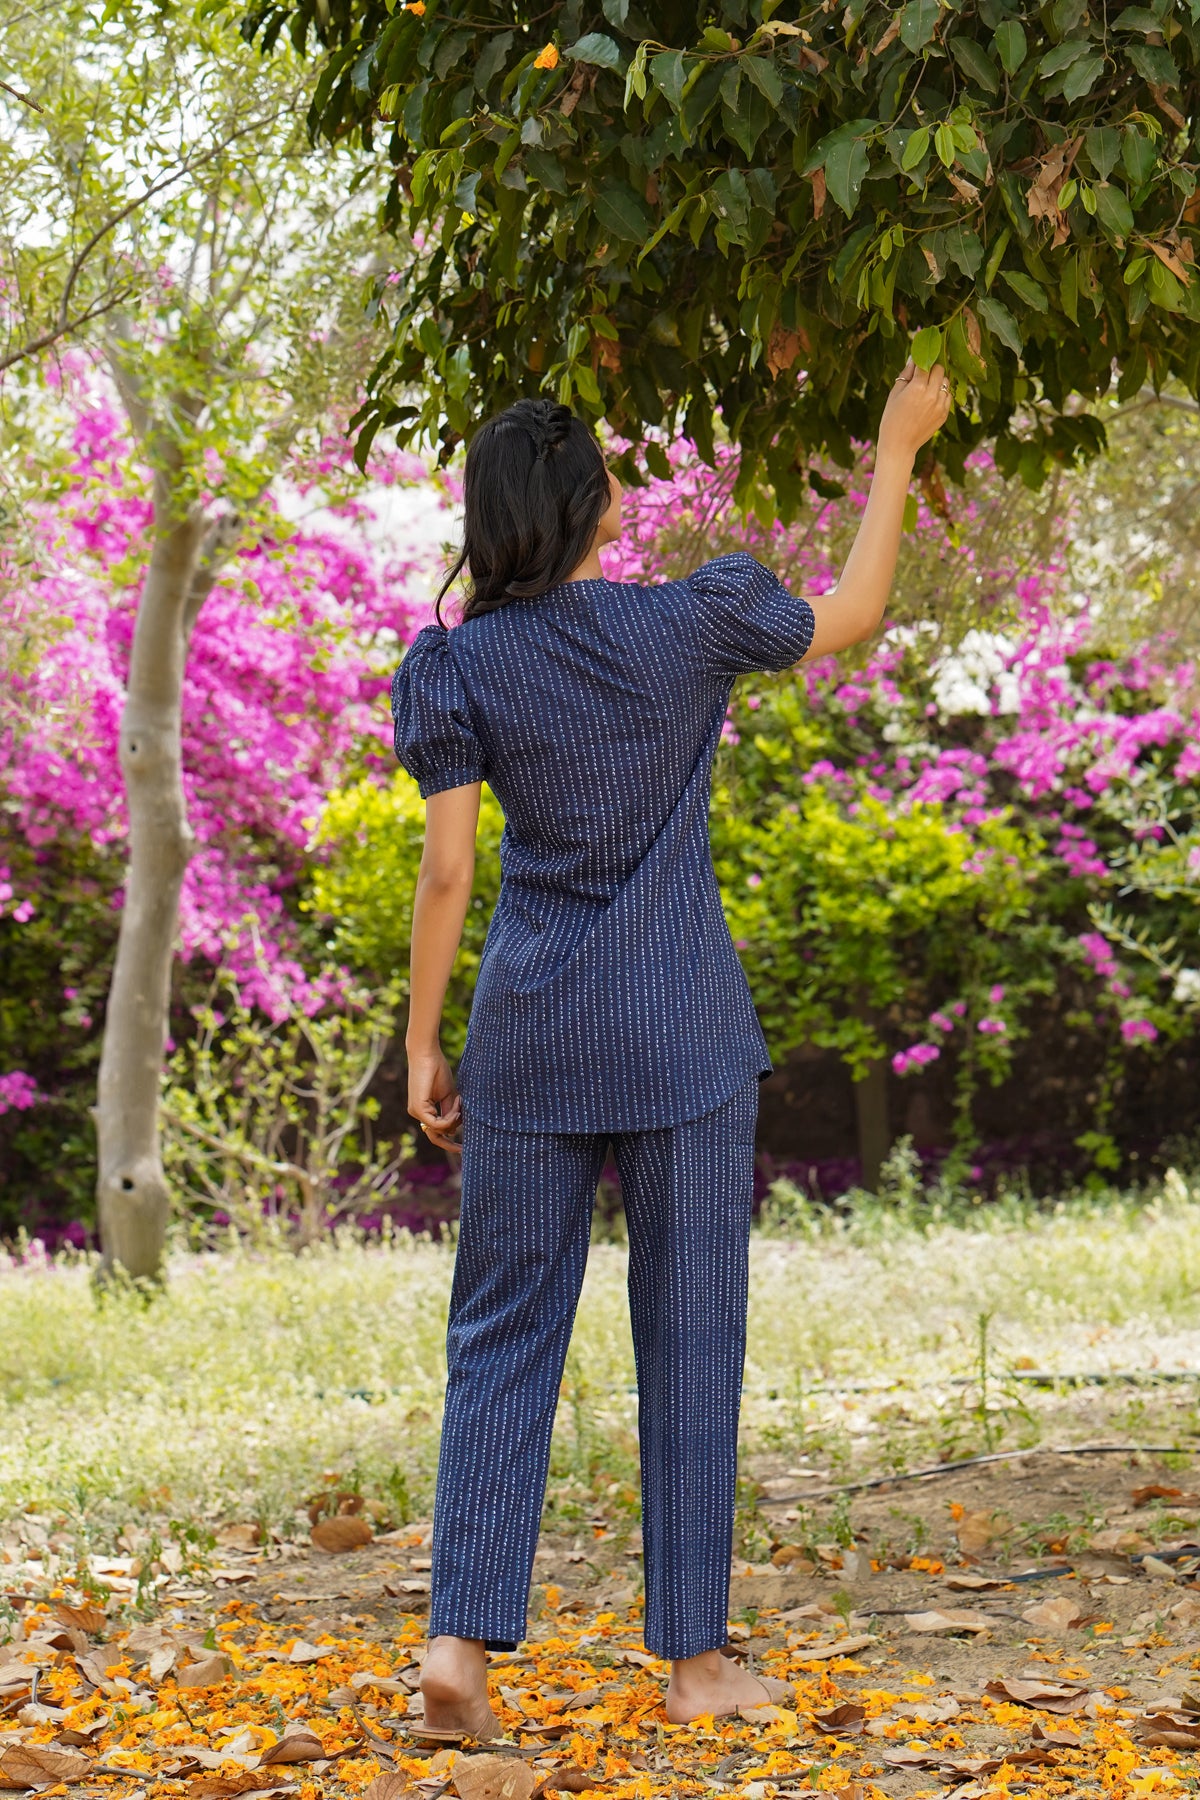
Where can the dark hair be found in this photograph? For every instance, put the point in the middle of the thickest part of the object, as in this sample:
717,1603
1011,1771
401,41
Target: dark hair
534,490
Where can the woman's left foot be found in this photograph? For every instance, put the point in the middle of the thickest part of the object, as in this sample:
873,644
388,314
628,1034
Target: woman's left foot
454,1688
715,1684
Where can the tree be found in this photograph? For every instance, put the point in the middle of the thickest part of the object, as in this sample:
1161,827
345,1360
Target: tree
239,332
673,214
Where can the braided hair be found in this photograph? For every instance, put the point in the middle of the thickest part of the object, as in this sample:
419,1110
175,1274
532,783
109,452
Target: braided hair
535,488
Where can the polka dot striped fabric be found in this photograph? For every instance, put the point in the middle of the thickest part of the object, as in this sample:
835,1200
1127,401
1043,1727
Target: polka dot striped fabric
522,1248
609,994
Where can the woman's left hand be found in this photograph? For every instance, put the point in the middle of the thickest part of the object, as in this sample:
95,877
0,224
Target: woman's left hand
434,1100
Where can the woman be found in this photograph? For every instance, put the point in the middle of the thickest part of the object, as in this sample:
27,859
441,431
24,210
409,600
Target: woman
610,1007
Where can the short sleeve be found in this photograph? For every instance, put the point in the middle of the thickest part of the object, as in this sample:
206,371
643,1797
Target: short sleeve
747,619
435,739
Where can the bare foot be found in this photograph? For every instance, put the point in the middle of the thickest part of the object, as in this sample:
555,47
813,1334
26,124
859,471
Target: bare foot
454,1688
715,1684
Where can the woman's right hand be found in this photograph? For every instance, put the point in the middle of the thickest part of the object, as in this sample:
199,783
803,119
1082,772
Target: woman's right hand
434,1101
918,405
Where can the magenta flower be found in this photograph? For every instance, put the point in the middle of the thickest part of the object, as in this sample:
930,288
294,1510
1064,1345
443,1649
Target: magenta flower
992,1027
1136,1031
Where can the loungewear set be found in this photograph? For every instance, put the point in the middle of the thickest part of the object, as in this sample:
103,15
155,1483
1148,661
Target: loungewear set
610,1007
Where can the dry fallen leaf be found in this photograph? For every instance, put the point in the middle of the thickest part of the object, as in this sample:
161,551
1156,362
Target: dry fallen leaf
345,1531
492,1778
1154,1490
976,1530
205,1673
569,1780
223,1787
1044,1695
967,1583
34,1765
1122,1541
952,1620
1169,1730
91,1619
831,1647
239,1537
297,1744
388,1786
841,1721
1057,1614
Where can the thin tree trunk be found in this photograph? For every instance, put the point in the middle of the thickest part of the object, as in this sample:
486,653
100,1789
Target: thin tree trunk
871,1115
132,1190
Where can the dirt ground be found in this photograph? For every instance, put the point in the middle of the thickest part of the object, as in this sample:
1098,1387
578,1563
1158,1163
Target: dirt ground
1038,1615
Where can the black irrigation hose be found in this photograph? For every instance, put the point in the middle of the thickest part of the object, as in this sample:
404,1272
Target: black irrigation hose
971,1462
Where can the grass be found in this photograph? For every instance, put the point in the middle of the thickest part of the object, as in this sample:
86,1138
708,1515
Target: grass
878,1340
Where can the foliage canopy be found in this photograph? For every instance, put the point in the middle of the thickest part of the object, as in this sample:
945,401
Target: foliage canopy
670,213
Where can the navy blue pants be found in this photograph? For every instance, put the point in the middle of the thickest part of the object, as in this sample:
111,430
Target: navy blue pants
522,1248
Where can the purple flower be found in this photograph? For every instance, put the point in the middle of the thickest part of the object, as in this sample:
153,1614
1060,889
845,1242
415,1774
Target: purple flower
940,1022
1138,1031
993,1027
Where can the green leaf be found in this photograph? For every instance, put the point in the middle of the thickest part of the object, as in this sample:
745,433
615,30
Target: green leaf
994,256
491,59
1063,55
546,170
1000,322
917,23
964,249
915,148
943,141
765,76
1082,77
1138,155
1010,44
1114,211
1103,146
846,163
624,213
615,11
926,347
912,512
656,462
598,48
669,73
1027,289
1155,64
1136,18
975,63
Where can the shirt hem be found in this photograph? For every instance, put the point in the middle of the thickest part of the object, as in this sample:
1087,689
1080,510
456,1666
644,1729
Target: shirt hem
499,1116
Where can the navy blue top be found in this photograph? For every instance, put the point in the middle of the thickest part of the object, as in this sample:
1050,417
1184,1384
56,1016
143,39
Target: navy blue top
609,996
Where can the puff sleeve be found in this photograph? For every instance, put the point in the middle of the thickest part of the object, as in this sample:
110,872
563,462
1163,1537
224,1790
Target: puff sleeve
747,619
435,738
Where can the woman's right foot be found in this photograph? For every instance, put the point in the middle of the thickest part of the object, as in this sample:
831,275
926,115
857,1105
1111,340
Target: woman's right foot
715,1684
454,1688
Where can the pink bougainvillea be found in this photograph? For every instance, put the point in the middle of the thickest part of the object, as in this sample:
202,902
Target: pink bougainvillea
284,694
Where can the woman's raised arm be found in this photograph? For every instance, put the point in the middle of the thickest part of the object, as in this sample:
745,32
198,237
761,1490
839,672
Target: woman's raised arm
917,406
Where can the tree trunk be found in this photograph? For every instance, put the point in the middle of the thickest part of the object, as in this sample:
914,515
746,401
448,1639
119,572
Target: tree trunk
871,1115
132,1189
